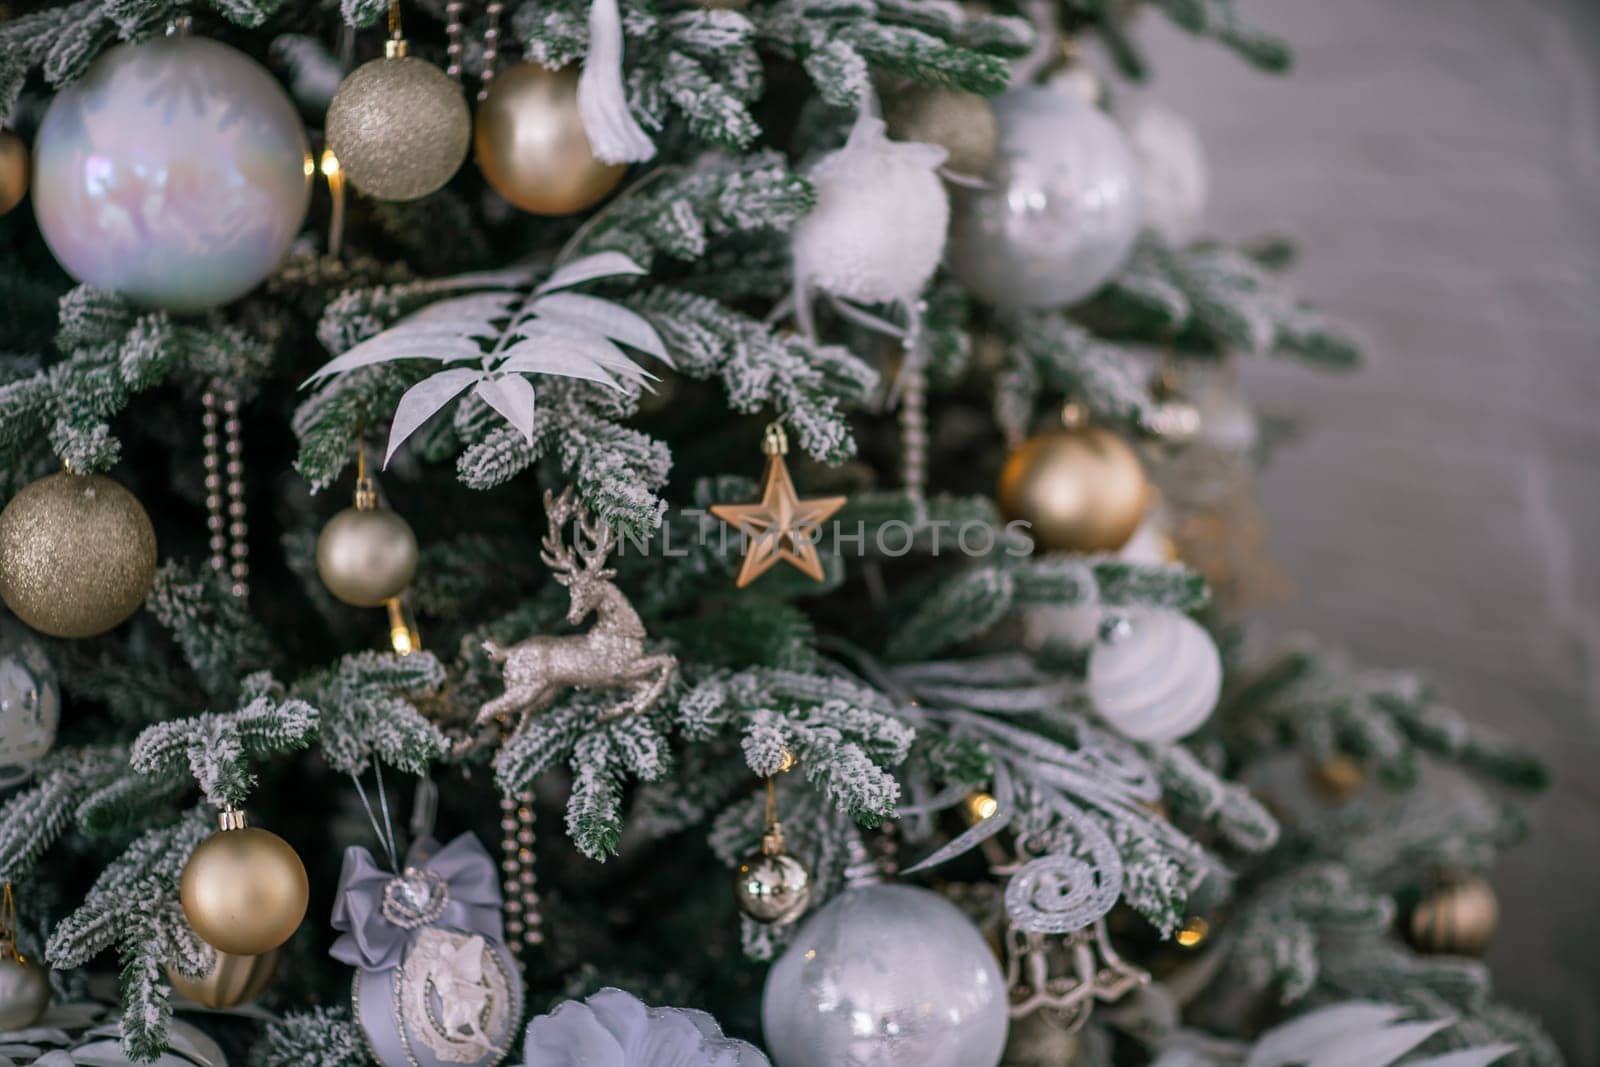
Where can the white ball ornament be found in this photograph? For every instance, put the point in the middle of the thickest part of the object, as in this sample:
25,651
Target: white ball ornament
175,171
1155,676
1059,213
886,976
1174,179
877,230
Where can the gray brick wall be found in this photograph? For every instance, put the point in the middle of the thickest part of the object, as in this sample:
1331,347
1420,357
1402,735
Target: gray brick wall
1439,161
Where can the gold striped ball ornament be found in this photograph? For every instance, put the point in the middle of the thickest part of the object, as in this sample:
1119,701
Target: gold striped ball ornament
77,554
232,980
14,170
399,126
1456,919
1079,488
244,889
531,144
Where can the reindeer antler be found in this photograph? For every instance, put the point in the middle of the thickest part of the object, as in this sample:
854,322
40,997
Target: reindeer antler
594,538
553,549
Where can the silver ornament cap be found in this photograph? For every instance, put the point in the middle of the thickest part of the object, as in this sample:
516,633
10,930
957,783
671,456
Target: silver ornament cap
886,976
399,126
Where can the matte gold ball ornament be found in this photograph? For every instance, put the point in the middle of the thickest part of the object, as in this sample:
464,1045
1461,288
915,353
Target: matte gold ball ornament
232,980
366,554
14,170
958,121
244,889
1079,488
399,126
77,554
1338,778
531,145
1457,918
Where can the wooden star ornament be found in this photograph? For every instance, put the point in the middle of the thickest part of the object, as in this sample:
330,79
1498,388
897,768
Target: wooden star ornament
781,526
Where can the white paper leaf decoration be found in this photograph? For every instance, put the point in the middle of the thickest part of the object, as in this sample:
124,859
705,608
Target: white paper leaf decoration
423,400
599,265
503,333
602,317
512,396
1299,1039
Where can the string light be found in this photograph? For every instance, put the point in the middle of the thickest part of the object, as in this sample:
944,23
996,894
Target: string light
980,806
1193,931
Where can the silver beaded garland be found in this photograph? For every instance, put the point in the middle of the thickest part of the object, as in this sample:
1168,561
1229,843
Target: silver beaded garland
491,46
225,507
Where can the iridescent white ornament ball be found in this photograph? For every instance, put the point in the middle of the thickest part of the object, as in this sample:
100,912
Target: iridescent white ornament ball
1155,676
1060,210
30,703
175,172
886,976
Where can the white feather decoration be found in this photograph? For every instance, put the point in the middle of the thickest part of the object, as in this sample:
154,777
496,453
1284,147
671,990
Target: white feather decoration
504,334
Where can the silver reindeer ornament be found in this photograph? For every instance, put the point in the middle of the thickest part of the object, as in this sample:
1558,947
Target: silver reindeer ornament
610,655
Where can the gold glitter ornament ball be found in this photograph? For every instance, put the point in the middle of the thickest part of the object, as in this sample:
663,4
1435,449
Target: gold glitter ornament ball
1456,919
399,127
244,890
13,170
959,122
531,145
1080,489
232,980
77,554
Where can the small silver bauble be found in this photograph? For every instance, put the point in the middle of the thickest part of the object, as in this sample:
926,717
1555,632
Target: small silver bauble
886,976
772,887
30,703
1060,211
24,992
175,171
399,126
366,555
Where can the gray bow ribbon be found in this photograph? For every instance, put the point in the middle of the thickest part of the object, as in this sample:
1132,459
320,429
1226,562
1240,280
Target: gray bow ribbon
379,913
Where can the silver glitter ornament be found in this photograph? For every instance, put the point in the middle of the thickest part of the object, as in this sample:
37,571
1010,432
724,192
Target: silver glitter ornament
1060,212
886,976
30,703
399,126
609,656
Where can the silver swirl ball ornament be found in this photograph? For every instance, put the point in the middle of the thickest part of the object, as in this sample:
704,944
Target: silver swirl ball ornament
175,171
399,126
30,703
886,976
1059,212
1155,676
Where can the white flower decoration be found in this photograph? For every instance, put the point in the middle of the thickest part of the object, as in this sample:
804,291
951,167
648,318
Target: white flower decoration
615,1029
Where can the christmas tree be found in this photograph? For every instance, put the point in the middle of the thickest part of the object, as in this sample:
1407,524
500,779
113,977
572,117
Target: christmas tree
769,538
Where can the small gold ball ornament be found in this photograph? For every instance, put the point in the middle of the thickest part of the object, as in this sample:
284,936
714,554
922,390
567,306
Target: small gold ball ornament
772,886
1338,778
1456,919
399,126
77,554
244,889
1080,488
531,145
232,980
14,170
366,554
959,122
